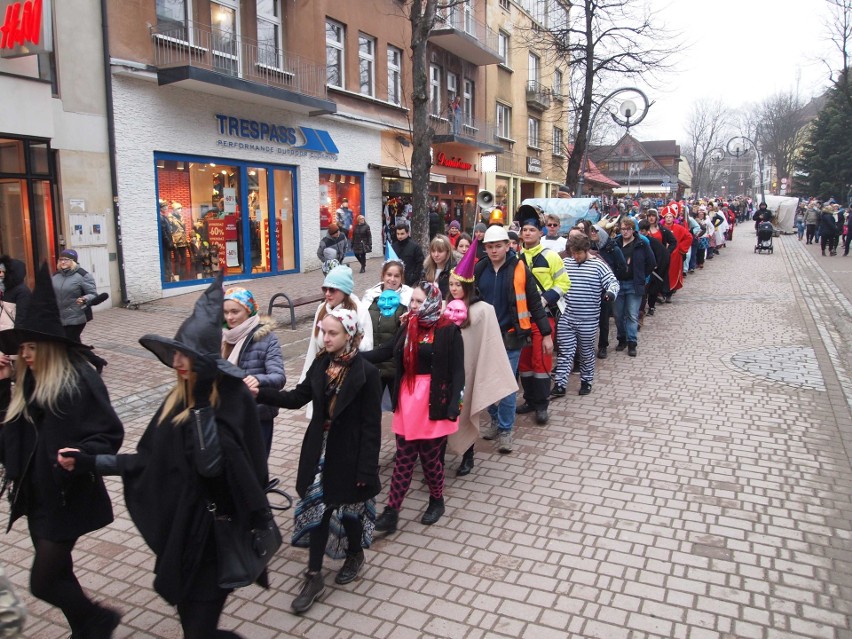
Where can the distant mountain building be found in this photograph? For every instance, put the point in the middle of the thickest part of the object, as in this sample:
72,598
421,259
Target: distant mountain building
651,168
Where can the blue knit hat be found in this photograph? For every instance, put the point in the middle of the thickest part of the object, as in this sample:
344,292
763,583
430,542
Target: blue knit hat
340,277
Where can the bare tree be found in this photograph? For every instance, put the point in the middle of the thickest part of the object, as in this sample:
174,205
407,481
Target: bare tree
839,27
781,120
602,41
707,131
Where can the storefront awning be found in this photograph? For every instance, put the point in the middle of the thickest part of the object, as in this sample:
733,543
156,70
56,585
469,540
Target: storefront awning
437,177
391,171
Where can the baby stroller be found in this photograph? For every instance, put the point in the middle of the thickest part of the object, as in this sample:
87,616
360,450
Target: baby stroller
764,237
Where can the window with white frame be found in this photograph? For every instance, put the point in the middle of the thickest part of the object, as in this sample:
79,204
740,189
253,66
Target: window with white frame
467,102
335,35
269,43
366,64
225,23
503,46
504,4
533,129
504,121
534,69
557,141
435,90
452,87
557,84
394,75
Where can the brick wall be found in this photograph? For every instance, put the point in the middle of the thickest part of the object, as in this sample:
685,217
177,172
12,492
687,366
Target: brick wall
150,118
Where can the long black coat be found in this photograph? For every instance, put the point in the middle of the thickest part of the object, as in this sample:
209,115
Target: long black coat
61,505
354,437
167,498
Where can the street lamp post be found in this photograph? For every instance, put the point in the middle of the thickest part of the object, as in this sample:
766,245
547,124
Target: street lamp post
740,147
627,109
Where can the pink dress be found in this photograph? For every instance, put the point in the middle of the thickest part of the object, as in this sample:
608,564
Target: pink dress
411,417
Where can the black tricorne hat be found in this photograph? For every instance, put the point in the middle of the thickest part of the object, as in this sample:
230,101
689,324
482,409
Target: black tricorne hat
200,335
529,214
39,321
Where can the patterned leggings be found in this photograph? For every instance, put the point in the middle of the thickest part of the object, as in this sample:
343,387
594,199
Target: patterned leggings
429,451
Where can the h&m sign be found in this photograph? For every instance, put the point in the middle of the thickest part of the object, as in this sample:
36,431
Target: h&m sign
27,28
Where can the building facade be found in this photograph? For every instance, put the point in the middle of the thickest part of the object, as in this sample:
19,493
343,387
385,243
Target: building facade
55,186
242,125
527,93
650,169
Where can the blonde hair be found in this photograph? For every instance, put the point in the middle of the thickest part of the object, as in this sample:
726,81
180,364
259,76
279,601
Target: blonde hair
442,243
181,395
348,303
55,377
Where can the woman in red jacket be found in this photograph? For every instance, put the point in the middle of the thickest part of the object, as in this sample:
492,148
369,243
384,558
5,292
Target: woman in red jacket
684,243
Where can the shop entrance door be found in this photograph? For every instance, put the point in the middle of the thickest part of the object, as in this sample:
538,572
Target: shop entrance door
270,205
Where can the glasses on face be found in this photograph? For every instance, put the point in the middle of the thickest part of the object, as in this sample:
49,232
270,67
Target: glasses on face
552,226
329,289
627,228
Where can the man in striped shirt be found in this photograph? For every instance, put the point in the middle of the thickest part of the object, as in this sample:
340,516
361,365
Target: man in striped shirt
591,279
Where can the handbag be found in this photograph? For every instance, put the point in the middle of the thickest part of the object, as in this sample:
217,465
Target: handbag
7,316
242,553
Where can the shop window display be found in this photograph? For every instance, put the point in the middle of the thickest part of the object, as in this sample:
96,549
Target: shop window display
340,197
216,217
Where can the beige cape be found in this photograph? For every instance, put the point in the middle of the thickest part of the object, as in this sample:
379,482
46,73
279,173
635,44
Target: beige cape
487,373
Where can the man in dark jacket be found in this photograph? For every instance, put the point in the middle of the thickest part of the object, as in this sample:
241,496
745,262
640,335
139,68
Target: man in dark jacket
410,253
333,246
516,311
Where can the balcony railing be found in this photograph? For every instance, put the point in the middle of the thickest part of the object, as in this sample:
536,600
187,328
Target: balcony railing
538,96
223,52
457,20
467,129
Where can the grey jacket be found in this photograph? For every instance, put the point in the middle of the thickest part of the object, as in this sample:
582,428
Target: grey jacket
812,216
69,286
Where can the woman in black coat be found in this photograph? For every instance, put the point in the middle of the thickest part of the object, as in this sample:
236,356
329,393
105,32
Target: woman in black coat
202,455
338,472
828,231
57,401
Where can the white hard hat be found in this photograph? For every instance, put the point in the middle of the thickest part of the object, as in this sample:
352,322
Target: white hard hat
495,233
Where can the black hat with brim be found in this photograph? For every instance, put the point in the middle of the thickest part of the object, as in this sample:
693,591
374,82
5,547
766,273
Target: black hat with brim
200,335
39,321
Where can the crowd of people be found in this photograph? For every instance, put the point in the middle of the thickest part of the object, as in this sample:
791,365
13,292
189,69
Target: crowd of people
441,345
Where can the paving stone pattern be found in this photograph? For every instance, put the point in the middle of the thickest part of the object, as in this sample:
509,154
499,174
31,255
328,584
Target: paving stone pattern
701,491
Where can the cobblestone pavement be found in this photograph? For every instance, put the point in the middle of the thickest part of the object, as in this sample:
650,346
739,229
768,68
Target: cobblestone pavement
701,491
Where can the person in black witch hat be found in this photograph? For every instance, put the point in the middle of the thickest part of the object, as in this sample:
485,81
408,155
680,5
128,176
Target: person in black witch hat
178,471
57,401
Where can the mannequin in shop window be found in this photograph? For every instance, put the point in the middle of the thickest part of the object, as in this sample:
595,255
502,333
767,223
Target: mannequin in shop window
167,243
181,243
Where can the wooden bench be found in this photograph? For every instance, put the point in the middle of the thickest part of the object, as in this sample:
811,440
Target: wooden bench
293,303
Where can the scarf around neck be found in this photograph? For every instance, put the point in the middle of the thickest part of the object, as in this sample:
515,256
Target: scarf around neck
234,338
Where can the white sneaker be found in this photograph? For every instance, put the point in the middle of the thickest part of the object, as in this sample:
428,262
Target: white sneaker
491,431
504,442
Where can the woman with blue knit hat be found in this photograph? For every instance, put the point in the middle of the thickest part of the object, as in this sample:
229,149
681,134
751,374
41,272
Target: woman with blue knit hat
248,341
337,290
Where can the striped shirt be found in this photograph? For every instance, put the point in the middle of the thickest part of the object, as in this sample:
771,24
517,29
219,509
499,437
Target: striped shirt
589,281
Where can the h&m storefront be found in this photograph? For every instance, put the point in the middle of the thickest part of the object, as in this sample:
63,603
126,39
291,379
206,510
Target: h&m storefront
207,185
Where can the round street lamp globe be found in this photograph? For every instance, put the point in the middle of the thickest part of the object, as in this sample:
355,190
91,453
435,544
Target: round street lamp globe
627,108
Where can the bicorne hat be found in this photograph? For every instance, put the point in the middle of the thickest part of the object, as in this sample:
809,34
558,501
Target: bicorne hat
530,214
200,335
39,321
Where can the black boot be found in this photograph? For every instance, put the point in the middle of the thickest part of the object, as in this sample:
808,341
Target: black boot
434,512
101,624
350,568
313,587
631,349
387,521
466,463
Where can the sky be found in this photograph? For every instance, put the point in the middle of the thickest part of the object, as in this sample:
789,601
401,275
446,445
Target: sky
739,50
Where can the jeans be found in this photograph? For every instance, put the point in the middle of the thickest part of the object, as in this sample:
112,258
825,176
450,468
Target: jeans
800,229
503,412
626,313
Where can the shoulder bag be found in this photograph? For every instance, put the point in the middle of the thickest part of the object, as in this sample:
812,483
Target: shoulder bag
242,552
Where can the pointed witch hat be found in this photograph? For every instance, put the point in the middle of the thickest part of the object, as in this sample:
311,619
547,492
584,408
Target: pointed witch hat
39,321
464,269
391,256
200,335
